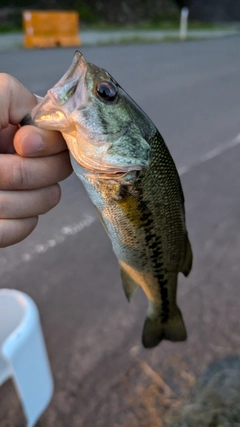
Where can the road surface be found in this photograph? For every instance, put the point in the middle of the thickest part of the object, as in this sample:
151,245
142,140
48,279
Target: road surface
102,375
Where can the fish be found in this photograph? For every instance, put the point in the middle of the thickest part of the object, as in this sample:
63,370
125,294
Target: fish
131,178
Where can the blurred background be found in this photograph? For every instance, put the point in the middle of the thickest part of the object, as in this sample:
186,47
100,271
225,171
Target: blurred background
191,91
131,12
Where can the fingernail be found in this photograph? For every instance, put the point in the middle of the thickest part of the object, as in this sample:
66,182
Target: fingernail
31,144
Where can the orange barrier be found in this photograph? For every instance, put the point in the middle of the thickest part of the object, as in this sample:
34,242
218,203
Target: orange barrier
50,28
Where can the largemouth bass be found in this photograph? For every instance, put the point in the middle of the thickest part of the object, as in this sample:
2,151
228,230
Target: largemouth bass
131,178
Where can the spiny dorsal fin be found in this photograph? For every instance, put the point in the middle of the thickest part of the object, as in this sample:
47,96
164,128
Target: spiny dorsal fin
187,264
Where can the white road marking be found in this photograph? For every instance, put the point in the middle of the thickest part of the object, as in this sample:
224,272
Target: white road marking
211,154
39,249
65,231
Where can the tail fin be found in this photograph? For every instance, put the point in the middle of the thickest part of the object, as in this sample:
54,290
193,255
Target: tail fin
173,330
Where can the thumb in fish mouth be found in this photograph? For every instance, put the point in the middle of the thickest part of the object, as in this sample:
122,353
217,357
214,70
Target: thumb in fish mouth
27,120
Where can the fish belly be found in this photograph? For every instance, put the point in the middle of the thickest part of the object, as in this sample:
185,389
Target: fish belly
141,252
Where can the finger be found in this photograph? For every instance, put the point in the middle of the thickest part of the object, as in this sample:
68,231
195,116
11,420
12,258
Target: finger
21,173
15,101
14,230
6,139
25,204
31,141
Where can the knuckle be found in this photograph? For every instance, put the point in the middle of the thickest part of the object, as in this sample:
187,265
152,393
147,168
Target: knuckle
3,242
50,197
19,175
6,83
5,79
6,89
3,205
54,194
14,231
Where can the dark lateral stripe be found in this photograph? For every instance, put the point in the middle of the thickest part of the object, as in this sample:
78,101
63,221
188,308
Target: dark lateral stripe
154,243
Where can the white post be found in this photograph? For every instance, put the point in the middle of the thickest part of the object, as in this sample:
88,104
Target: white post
183,23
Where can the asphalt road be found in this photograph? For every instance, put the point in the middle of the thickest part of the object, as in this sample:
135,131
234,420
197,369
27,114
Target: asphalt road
103,377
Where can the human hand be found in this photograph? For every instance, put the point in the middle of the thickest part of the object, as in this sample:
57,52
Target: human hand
32,162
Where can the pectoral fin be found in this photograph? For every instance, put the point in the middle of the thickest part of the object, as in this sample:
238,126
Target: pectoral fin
129,285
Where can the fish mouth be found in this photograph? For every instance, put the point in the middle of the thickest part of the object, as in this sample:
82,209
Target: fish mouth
54,111
98,154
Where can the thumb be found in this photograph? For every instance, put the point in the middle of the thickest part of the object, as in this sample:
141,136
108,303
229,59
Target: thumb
15,101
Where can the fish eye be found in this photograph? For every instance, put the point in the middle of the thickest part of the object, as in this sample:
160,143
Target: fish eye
107,91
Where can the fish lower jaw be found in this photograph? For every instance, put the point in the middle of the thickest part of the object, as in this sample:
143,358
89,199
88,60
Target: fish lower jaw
105,174
95,165
98,171
112,177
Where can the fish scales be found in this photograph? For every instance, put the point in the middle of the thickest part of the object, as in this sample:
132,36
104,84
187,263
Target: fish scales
132,180
135,217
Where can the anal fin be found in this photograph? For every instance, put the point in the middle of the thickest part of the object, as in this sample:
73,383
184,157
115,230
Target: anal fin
129,285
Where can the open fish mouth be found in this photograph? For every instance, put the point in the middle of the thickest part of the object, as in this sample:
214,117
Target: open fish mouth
84,106
54,110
